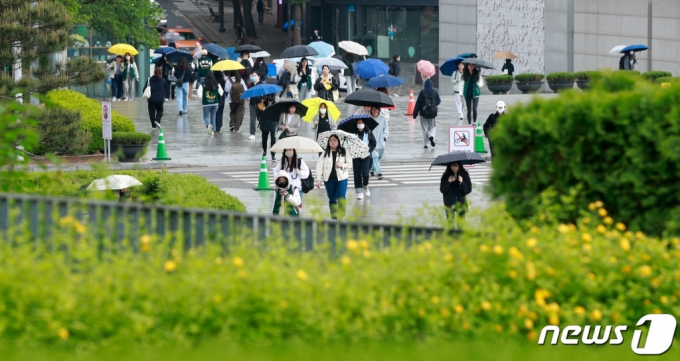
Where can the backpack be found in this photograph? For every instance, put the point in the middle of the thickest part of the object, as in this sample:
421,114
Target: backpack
391,71
429,110
236,92
307,183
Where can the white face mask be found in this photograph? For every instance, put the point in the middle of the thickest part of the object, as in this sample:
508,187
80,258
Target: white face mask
289,154
127,57
322,111
500,110
360,126
254,79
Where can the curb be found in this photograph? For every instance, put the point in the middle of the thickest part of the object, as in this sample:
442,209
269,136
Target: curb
114,167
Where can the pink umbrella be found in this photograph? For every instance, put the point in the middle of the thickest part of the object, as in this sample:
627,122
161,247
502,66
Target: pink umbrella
426,69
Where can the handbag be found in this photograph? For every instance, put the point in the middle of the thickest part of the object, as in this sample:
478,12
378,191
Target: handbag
282,134
147,91
307,183
172,78
336,95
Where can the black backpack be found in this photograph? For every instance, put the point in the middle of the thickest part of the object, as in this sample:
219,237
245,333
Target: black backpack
429,110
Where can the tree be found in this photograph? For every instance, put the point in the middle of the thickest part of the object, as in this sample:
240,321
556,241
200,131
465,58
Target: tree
238,17
248,17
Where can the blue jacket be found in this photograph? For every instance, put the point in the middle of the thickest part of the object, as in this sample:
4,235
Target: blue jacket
428,88
157,90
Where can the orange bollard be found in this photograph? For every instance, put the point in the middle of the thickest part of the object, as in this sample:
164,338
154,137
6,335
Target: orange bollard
411,104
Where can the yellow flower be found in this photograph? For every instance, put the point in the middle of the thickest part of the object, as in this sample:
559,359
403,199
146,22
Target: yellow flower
301,275
512,274
486,305
572,227
664,299
550,271
531,271
63,333
639,235
458,309
540,295
657,311
421,289
352,245
600,228
615,316
586,220
428,246
499,328
241,274
645,257
484,248
238,262
283,304
602,212
645,271
592,206
532,336
145,247
435,300
170,266
515,253
612,259
444,312
421,312
448,257
217,299
79,227
591,276
579,310
528,324
595,315
646,302
346,260
364,244
563,228
554,319
219,260
625,244
586,237
367,253
145,239
655,282
497,249
65,221
532,242
599,204
626,269
466,325
587,247
608,221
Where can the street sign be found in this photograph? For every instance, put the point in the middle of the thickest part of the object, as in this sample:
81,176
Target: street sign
106,121
462,138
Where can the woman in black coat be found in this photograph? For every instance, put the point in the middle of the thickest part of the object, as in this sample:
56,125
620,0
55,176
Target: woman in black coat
455,185
268,127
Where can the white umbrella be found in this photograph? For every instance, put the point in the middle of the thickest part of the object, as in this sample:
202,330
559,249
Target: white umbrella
260,54
332,63
617,49
352,47
300,144
115,181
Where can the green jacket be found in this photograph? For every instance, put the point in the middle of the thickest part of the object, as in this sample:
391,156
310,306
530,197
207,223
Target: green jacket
132,67
476,92
288,208
204,65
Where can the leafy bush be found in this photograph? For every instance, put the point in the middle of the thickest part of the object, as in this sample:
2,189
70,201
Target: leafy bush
586,75
528,77
131,138
495,280
667,79
561,76
617,143
91,112
634,72
61,133
653,75
499,79
185,190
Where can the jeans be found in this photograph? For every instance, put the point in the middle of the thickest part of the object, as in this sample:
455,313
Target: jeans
219,116
264,141
253,117
209,113
182,97
428,126
117,86
377,157
361,167
471,104
155,113
337,197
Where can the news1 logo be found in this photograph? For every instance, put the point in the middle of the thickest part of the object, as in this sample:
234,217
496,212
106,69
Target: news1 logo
659,338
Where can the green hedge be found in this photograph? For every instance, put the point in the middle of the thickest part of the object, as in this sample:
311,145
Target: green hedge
586,75
561,76
130,138
667,79
91,112
186,190
499,79
617,143
529,77
653,75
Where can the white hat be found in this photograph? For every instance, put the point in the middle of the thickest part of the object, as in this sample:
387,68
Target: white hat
500,106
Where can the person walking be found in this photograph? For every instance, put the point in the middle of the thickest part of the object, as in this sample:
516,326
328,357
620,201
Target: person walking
157,98
116,74
290,122
235,87
253,102
380,133
491,122
315,36
167,68
130,76
326,84
455,185
219,116
183,74
333,169
286,196
362,166
204,65
350,81
426,106
247,63
267,126
457,80
305,83
211,94
508,68
323,122
395,70
260,11
471,90
261,68
295,167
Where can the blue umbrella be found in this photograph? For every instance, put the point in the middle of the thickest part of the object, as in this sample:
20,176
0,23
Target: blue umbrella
467,55
216,50
177,54
260,90
164,50
384,81
370,68
232,54
636,47
324,49
450,66
292,22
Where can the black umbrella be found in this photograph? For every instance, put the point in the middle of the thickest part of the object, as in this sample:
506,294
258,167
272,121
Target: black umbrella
480,63
369,97
298,51
275,110
467,158
249,48
349,125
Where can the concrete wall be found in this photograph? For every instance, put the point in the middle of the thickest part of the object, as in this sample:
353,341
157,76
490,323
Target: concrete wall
666,35
457,32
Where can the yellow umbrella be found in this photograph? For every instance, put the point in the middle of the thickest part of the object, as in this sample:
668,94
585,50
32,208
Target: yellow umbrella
313,105
227,65
122,49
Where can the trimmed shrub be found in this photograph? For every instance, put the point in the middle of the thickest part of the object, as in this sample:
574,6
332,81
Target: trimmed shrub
561,76
667,79
61,133
499,79
634,72
130,138
91,113
616,143
587,75
529,77
653,75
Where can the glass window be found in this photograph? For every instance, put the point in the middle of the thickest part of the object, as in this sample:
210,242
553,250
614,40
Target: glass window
187,36
429,33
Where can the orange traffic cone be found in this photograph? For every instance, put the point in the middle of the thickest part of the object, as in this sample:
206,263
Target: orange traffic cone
411,104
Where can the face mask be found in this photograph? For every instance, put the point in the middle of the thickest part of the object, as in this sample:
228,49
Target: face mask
322,111
500,110
127,58
253,79
281,185
289,154
360,127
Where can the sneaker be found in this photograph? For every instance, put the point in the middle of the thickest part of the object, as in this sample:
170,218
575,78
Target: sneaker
166,99
114,100
372,174
264,154
461,118
379,175
210,131
360,196
251,137
425,147
368,193
231,129
180,113
273,158
432,141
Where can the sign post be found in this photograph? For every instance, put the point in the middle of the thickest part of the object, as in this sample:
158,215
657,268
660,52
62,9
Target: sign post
462,139
106,130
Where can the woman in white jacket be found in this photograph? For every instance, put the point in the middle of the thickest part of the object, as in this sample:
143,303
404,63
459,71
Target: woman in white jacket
457,80
295,167
333,169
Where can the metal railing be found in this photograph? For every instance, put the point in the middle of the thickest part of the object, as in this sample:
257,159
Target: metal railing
40,216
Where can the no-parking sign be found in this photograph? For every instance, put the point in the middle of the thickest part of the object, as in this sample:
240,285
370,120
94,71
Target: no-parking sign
462,138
